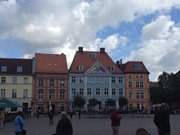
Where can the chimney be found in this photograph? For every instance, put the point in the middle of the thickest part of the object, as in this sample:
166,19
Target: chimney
102,50
80,49
120,61
117,62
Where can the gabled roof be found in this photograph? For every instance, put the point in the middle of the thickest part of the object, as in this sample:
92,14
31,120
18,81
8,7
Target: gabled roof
11,65
87,59
50,63
135,67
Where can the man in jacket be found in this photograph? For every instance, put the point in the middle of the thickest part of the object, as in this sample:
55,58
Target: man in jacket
115,122
161,120
64,126
19,124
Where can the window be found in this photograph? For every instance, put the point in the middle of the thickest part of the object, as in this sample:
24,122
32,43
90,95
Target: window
130,84
113,79
137,95
111,68
137,76
120,80
121,92
138,106
98,91
89,91
14,93
142,95
51,94
80,80
3,80
106,91
61,94
137,66
73,91
40,94
3,69
25,93
113,91
130,106
81,68
62,83
137,84
40,82
25,80
51,82
129,76
14,80
92,55
141,76
19,69
3,93
81,91
73,79
130,95
141,84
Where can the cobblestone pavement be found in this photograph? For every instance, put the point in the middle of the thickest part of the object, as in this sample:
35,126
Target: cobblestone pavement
93,126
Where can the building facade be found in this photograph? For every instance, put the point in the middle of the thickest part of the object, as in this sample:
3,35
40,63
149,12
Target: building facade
50,83
137,85
16,81
95,75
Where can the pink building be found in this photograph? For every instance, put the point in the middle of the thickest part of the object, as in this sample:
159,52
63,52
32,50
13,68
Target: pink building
50,83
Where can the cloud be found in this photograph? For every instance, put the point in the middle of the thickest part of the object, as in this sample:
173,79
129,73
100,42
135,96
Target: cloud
57,26
160,50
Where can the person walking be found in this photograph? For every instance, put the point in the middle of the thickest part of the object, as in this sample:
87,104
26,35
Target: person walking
79,114
162,119
2,118
64,126
115,122
51,117
19,125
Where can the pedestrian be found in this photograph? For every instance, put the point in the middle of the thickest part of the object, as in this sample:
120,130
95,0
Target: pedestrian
161,119
19,124
51,117
115,122
142,131
2,118
79,114
37,113
64,126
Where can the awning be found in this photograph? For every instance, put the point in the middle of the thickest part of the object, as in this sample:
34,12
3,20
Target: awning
5,103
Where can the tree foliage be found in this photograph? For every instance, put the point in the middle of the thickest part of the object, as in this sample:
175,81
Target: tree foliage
110,102
122,101
168,90
92,102
79,101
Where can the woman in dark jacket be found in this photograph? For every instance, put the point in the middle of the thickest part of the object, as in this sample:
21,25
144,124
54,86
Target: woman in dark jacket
162,120
64,126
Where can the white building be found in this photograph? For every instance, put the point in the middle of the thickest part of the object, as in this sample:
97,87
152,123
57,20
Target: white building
16,81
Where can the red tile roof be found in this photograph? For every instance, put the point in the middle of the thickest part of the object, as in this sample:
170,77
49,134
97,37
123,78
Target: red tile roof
11,65
135,67
89,58
50,63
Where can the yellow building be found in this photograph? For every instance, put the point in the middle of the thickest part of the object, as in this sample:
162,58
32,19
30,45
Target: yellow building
16,81
137,89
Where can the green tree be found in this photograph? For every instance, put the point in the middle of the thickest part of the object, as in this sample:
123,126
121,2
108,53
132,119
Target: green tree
79,102
122,101
110,103
92,102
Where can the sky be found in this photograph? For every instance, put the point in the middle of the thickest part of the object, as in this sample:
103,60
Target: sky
132,30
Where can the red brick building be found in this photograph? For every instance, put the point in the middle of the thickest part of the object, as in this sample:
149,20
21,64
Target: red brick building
50,83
